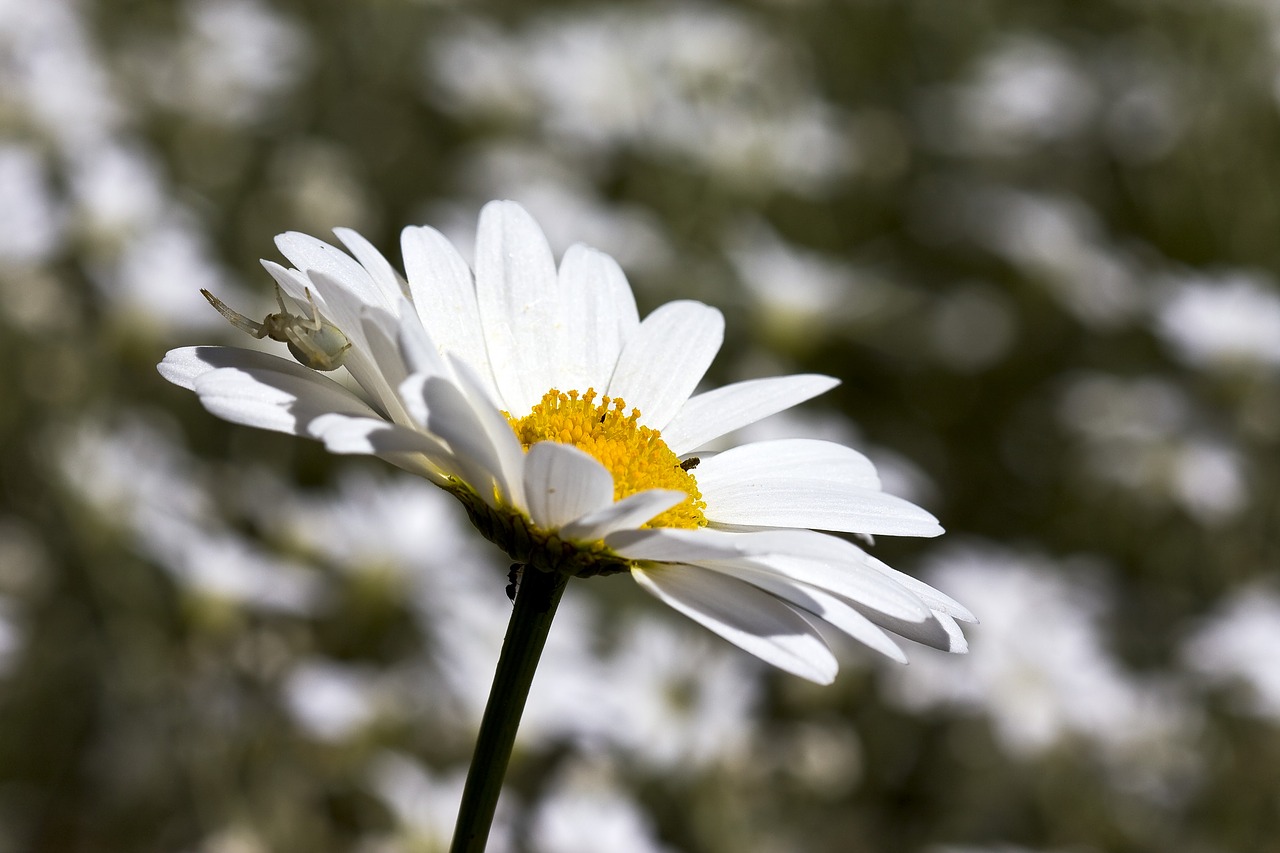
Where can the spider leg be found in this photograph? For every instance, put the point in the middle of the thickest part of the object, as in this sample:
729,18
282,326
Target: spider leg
235,318
316,323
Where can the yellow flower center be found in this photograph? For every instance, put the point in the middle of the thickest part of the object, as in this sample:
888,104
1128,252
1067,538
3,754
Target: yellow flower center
635,455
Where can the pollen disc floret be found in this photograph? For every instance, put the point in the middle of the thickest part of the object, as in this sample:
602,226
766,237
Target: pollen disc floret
635,455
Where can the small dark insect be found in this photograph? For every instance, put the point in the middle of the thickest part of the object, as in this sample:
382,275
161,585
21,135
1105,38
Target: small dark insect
513,580
690,463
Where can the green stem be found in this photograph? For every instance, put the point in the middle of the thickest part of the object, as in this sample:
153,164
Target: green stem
526,635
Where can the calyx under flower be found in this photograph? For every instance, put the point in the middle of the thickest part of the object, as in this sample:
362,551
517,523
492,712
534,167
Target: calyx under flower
542,550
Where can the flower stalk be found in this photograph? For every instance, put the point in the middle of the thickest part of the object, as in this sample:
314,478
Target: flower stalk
536,601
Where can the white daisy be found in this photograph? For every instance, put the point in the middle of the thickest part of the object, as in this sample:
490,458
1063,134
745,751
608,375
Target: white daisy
567,426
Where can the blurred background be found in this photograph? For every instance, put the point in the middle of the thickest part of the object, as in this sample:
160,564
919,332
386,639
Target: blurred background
1038,240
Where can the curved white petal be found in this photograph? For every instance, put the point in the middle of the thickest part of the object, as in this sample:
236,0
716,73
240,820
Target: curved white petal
383,275
275,394
517,291
562,483
293,283
665,358
938,631
419,350
630,512
482,442
806,557
745,616
784,501
934,599
600,313
788,458
310,255
829,608
444,296
382,335
182,366
714,413
342,433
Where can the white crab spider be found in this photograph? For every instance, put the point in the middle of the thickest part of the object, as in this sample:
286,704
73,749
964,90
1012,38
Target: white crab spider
315,343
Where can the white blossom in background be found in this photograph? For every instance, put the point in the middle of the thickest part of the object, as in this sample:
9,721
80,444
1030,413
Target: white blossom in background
11,635
559,193
370,522
117,191
702,83
1223,321
154,277
229,63
1023,93
410,532
425,806
466,637
31,217
1139,433
1038,666
673,701
993,848
587,811
1054,241
235,838
801,295
51,75
1236,645
974,325
330,700
138,477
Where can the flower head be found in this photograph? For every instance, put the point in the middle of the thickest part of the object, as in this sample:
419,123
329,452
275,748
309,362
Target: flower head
566,425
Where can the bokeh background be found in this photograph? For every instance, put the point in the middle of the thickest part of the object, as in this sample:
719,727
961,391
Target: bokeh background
1038,240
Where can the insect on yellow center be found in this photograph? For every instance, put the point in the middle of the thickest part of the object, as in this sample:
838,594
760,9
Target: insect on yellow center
635,455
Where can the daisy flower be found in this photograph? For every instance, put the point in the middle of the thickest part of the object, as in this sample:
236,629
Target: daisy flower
570,430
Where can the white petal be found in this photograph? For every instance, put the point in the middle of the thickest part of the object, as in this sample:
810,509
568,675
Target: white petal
421,355
959,644
483,444
933,598
781,501
517,292
825,606
938,631
413,394
293,283
184,365
665,358
562,483
311,256
599,312
799,458
750,619
372,436
444,295
381,332
630,512
275,394
380,270
814,559
676,545
717,412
